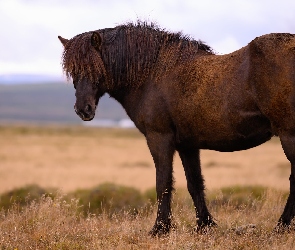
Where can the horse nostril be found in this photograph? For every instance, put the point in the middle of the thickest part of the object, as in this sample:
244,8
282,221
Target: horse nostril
88,109
85,114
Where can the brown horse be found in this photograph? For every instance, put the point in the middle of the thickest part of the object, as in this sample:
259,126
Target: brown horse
184,98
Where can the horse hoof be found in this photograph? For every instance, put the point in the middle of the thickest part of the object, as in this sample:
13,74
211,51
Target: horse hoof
283,228
204,228
161,229
159,232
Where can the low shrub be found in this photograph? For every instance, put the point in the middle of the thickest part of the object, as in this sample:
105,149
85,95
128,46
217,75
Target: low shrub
109,198
239,196
23,196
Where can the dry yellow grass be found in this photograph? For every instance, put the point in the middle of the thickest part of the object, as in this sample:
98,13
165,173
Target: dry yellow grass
55,224
77,157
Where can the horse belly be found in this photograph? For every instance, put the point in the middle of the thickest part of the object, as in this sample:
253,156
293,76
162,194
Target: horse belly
237,143
228,132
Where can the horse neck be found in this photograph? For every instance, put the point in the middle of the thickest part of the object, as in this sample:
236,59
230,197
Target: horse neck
138,55
130,98
129,60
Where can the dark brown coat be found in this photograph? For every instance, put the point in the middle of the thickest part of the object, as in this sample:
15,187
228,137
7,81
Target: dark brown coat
184,98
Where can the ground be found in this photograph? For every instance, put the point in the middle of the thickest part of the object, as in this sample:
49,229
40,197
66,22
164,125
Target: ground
78,157
75,157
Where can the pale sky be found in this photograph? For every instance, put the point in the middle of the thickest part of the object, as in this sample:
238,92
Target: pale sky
29,28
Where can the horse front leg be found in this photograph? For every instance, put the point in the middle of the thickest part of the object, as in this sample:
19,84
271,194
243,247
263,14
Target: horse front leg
195,183
162,149
288,144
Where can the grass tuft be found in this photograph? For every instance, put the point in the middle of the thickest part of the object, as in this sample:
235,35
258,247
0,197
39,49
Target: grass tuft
59,221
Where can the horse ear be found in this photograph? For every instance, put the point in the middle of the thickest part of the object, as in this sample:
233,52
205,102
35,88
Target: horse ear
63,41
96,40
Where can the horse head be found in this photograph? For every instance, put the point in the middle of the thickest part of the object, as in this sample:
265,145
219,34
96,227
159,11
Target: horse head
82,62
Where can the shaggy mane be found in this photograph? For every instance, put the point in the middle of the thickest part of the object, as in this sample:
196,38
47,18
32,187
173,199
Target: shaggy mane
129,54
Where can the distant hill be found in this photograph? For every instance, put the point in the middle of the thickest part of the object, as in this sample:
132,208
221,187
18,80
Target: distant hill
48,103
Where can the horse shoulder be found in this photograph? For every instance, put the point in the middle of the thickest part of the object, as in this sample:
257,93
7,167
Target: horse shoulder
147,107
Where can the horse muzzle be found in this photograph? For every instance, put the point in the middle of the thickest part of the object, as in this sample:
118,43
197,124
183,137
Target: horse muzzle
87,113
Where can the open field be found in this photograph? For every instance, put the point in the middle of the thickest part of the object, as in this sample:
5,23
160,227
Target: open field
77,157
48,103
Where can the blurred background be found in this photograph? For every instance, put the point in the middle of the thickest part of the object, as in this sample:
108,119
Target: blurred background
42,140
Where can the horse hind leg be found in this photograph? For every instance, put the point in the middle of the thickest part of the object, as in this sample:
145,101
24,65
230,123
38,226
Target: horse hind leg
288,144
195,184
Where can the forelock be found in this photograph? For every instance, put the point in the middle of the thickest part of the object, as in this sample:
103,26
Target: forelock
81,60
